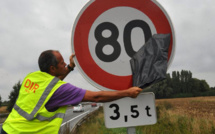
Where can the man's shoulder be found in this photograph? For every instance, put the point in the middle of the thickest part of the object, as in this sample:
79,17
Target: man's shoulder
69,87
39,73
66,85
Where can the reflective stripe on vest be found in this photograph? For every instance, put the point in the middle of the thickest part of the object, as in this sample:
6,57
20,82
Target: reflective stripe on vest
39,104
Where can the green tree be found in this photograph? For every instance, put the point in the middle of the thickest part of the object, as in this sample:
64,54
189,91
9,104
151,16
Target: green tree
13,95
195,85
162,90
189,89
175,82
181,84
168,80
204,86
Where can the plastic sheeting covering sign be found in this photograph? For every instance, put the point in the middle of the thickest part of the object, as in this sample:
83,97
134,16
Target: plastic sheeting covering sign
149,64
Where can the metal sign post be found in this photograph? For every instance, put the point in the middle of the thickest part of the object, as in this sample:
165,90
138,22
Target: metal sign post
131,130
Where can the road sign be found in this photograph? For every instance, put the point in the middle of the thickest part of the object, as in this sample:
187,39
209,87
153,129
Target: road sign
129,112
107,33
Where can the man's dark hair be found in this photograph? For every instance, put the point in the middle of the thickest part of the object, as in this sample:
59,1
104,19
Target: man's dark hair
47,59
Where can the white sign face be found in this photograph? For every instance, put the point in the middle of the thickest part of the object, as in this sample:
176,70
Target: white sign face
117,20
129,112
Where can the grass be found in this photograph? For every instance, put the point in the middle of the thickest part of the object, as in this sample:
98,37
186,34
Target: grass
95,125
175,116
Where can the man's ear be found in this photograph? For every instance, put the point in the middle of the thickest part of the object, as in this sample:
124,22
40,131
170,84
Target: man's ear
52,69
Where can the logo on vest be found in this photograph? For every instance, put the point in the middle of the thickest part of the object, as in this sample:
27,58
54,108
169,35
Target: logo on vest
30,86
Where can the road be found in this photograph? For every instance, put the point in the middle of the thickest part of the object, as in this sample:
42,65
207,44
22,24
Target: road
71,118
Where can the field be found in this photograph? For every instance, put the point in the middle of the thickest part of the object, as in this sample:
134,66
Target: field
175,116
196,107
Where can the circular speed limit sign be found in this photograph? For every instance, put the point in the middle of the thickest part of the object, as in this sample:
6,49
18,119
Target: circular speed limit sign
107,33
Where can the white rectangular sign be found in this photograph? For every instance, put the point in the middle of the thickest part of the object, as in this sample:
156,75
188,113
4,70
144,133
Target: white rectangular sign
129,112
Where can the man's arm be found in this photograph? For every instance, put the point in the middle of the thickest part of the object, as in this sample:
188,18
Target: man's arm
107,96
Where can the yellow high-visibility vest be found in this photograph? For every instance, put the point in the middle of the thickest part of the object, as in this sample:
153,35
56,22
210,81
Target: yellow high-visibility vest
29,115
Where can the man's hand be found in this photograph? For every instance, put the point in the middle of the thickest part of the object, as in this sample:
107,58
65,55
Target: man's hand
72,63
68,69
134,91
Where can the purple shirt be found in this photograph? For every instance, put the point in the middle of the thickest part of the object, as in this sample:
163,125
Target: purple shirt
66,94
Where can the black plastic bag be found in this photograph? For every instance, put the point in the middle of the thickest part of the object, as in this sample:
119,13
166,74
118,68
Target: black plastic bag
149,64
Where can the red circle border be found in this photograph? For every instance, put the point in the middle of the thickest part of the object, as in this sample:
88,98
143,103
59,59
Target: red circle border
82,29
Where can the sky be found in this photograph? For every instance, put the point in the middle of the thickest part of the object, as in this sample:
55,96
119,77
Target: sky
28,27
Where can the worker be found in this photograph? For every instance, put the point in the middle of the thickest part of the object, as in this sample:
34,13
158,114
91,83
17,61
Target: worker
44,97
